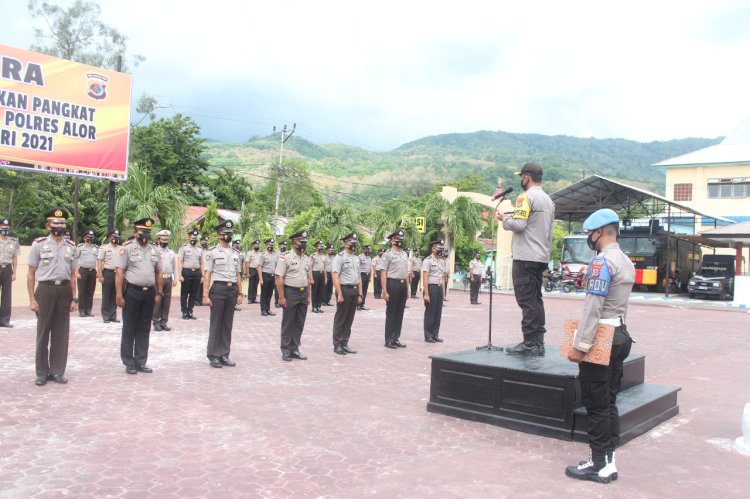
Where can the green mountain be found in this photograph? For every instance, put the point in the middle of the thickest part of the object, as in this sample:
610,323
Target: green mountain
343,171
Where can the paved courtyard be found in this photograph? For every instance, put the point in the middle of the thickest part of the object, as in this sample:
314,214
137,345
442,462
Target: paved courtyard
350,426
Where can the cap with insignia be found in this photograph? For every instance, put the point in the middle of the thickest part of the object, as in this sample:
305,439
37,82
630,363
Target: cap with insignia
298,235
88,233
531,169
257,241
366,246
352,236
270,241
439,242
319,243
398,234
164,232
282,243
204,238
193,234
56,215
115,233
144,223
4,223
225,226
330,247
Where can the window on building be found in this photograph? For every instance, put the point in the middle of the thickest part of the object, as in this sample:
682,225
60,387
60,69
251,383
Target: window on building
683,192
726,188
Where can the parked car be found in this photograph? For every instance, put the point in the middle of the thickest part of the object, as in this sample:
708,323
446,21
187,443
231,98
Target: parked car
715,278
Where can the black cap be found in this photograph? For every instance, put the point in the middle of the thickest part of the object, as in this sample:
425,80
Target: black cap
4,223
381,250
115,233
204,238
352,236
330,247
270,241
225,226
398,233
366,246
437,241
89,233
56,215
319,243
144,223
531,169
302,234
193,234
257,241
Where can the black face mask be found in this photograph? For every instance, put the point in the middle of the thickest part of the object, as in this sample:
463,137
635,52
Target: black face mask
192,243
255,248
590,241
114,240
524,186
269,248
398,243
352,246
302,245
163,244
144,237
367,252
57,231
225,237
88,239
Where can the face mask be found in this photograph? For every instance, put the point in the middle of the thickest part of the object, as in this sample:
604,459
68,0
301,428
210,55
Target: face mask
57,231
144,237
192,243
352,246
367,252
114,240
398,243
163,244
88,239
269,248
590,241
225,237
255,248
524,185
302,245
4,232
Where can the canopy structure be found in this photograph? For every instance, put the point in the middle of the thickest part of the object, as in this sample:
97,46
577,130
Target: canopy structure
577,201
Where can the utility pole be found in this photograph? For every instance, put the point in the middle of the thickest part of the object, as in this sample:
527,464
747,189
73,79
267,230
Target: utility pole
284,138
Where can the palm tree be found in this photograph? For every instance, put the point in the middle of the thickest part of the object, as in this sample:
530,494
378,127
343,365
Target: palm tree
254,224
332,223
458,219
138,198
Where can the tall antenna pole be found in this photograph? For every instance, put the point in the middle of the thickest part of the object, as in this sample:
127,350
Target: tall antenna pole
284,138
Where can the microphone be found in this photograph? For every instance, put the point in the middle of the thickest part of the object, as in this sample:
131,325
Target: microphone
502,194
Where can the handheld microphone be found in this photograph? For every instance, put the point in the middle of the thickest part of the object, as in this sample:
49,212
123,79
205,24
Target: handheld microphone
502,194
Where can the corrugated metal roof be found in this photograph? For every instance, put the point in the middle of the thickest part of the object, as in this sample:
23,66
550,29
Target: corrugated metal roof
735,148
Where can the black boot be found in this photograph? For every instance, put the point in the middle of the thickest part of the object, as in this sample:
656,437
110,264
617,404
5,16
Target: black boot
524,348
593,469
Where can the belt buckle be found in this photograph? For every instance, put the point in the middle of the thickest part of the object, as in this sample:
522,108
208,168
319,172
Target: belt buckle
301,289
58,282
144,288
402,281
229,284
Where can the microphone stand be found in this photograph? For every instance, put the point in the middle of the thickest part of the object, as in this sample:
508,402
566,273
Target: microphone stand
489,347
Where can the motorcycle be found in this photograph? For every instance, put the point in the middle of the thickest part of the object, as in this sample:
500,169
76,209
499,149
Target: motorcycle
576,282
553,280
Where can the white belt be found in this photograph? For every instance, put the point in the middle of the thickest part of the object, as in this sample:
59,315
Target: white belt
614,321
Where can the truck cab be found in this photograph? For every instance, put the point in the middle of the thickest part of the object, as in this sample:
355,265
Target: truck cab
715,278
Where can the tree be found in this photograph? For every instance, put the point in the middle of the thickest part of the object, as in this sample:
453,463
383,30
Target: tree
139,198
331,223
77,34
458,219
211,220
230,190
297,190
255,223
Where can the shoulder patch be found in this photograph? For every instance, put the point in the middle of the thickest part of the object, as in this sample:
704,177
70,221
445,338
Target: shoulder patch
122,251
522,208
281,257
599,277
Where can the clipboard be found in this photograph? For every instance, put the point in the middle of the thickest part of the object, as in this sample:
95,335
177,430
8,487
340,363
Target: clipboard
600,351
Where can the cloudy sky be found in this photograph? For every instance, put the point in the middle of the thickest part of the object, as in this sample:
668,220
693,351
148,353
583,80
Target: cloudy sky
380,74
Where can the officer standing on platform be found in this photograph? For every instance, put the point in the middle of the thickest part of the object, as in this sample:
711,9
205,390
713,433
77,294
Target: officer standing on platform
167,259
610,281
434,274
267,262
9,251
252,258
88,253
348,284
106,266
53,268
377,288
329,277
293,278
476,267
190,274
223,280
318,260
365,271
531,225
416,270
138,264
395,279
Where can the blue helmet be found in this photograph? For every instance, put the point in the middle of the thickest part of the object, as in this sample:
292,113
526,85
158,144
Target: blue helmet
600,218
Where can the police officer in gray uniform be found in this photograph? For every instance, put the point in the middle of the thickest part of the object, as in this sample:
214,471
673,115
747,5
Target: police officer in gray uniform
106,266
377,288
139,266
318,262
326,302
252,258
531,225
52,267
222,280
87,254
267,262
348,284
395,280
434,272
167,259
190,273
293,282
416,271
9,251
610,280
365,271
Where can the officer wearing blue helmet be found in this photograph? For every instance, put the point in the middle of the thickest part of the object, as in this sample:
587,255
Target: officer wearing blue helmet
610,280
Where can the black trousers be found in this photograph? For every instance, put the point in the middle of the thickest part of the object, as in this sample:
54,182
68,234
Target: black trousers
109,297
433,311
474,287
293,319
189,290
329,288
266,290
365,277
136,325
377,287
415,275
252,285
6,296
599,388
52,328
223,300
318,289
394,309
86,288
344,318
527,286
161,311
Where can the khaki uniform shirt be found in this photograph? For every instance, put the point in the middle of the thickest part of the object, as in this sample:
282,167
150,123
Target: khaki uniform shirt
532,226
377,262
416,264
296,270
347,266
610,280
395,264
167,260
52,261
435,268
190,256
223,263
476,267
329,263
140,263
252,258
318,262
108,255
9,248
87,255
365,263
268,261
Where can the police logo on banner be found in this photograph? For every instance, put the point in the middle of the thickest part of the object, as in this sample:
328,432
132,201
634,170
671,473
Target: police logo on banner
599,277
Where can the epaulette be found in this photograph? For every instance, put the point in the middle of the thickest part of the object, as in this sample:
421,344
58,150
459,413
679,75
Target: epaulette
341,253
69,242
236,250
40,239
129,241
213,247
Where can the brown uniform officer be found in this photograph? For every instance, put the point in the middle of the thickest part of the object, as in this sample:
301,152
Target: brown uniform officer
167,262
9,251
106,266
53,267
293,279
395,280
87,254
348,284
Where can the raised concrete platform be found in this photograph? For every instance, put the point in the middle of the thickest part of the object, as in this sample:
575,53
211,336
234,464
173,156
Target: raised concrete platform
540,395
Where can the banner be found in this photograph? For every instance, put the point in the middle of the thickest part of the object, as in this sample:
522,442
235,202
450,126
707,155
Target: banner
419,222
58,116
